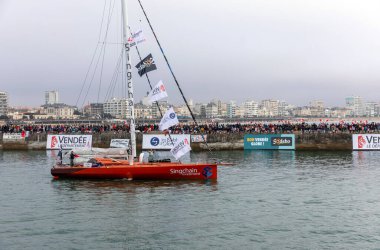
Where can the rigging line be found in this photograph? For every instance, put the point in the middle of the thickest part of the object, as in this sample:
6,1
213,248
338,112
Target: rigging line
116,76
171,71
113,80
94,72
93,75
110,12
93,56
112,43
151,88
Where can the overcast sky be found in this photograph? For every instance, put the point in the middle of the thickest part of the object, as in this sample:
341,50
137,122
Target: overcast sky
294,50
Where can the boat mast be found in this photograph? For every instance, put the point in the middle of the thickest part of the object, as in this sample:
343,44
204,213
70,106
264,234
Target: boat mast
130,102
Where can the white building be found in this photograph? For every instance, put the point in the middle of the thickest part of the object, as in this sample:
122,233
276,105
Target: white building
211,110
183,111
58,111
143,111
250,109
3,103
163,107
51,97
317,108
118,108
231,109
355,104
271,106
371,109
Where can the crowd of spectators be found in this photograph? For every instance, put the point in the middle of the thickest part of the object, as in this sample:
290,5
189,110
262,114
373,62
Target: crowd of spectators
209,128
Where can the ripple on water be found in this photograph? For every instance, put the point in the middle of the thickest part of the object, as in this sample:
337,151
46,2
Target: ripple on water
268,200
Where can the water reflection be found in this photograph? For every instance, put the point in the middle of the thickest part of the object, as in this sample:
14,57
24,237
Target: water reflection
104,186
270,158
269,200
365,158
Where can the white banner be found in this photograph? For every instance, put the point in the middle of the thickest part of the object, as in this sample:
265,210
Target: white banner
198,138
136,38
69,141
152,141
13,137
119,143
366,141
181,148
169,119
158,92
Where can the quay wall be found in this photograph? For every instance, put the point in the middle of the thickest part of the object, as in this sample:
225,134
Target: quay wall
231,141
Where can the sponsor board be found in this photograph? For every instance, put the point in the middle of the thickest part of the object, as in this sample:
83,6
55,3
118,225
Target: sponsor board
366,142
119,143
161,141
275,141
198,138
13,137
69,141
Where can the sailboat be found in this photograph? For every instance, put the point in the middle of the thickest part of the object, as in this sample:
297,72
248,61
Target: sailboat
131,169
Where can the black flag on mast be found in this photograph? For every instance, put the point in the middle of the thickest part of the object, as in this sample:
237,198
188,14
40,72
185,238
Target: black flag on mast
147,64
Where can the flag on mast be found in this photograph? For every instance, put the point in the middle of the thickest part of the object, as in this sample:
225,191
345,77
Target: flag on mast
180,148
157,93
146,65
136,38
169,119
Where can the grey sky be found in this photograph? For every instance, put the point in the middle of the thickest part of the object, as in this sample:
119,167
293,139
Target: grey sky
294,50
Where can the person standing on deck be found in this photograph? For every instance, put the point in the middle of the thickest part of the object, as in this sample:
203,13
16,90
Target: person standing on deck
72,156
60,155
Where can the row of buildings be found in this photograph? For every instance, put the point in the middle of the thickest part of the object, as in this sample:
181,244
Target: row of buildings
118,108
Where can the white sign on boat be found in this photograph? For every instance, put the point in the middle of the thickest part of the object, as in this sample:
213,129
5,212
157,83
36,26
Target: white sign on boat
119,143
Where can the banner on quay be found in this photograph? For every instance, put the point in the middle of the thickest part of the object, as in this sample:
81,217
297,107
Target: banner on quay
13,137
198,138
119,143
161,141
69,141
366,142
269,141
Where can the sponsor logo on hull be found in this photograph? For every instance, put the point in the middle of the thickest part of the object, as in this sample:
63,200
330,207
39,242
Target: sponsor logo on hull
185,171
207,172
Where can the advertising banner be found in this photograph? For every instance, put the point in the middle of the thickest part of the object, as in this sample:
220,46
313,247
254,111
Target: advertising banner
366,142
69,141
198,138
161,141
269,141
13,137
119,143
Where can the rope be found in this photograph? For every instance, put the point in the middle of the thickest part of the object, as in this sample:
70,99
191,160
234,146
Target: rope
93,56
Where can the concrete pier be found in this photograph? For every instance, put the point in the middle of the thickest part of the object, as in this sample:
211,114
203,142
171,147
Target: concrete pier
233,141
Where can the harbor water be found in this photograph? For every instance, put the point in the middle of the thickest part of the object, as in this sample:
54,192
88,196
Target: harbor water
268,200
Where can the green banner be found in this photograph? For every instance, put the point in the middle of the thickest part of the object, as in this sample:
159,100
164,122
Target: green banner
275,141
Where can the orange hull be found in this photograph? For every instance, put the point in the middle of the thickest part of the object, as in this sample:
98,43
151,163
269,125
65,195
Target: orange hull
139,171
